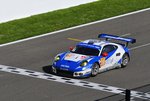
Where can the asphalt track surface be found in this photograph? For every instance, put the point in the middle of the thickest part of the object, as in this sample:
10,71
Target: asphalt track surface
38,54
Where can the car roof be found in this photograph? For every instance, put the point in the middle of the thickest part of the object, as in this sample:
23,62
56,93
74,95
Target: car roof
94,43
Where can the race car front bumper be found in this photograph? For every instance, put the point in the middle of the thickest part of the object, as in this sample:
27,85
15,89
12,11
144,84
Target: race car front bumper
84,73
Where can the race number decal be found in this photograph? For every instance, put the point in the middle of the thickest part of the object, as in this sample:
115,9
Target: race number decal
102,61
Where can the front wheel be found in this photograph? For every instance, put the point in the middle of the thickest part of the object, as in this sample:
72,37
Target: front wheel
95,69
125,60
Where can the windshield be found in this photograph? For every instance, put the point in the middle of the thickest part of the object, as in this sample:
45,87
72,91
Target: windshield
86,51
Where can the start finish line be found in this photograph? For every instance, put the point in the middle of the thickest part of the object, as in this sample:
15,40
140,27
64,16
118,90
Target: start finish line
74,82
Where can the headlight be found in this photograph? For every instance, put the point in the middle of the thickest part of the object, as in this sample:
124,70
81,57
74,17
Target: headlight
57,58
84,63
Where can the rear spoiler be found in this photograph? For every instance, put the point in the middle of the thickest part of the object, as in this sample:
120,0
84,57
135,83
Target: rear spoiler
115,37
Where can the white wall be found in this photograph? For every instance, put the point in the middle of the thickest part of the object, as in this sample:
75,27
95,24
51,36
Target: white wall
14,9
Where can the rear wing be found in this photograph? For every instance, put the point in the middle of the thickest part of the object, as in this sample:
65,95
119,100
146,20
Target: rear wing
115,37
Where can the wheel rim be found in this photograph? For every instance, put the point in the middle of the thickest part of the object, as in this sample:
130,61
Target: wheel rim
125,61
95,70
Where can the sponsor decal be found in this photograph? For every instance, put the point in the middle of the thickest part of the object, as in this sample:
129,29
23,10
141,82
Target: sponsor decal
83,57
65,66
69,55
65,69
75,57
102,61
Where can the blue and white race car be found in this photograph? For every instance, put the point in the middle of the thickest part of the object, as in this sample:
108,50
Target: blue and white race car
92,56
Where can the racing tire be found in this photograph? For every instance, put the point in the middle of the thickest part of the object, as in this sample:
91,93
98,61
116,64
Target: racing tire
95,69
125,60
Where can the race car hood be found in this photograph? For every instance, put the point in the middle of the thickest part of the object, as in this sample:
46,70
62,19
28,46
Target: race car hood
71,62
75,57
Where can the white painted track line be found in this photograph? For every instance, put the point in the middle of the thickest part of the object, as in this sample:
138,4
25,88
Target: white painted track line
136,47
140,46
70,81
128,34
56,32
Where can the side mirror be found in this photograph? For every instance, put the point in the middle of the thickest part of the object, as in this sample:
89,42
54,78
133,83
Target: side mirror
104,54
71,48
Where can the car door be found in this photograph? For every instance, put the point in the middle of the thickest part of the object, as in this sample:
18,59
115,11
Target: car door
108,55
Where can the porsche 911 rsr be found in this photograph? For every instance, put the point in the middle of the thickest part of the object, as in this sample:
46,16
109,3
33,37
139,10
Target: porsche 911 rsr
93,56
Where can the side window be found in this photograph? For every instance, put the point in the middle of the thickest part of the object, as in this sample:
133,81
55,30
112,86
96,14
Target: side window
109,48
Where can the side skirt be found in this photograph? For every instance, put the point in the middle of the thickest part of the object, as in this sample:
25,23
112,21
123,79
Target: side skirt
101,70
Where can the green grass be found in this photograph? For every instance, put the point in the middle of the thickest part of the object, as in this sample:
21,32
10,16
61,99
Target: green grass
56,20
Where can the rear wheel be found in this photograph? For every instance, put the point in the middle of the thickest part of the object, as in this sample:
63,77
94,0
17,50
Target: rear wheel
125,60
95,69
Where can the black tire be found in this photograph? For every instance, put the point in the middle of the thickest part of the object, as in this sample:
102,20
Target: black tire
125,60
95,69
